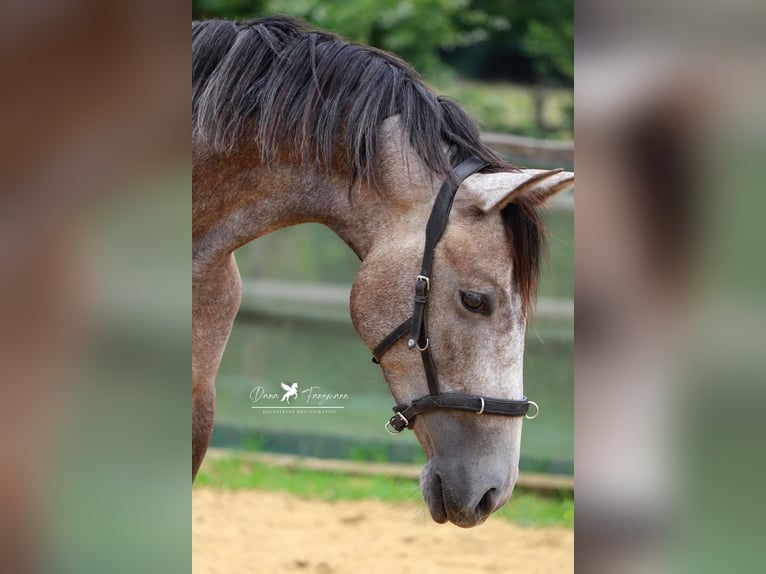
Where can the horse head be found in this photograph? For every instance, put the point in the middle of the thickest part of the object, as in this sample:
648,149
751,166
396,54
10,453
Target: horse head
484,271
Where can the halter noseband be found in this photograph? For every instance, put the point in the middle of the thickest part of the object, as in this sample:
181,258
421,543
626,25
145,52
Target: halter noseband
417,328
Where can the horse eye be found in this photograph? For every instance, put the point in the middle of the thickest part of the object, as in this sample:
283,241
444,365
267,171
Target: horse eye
474,302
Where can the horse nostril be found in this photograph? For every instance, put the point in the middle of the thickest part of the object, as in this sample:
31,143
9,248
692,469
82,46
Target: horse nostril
486,504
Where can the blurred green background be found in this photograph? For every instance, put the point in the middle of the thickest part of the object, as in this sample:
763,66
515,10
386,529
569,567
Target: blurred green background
509,64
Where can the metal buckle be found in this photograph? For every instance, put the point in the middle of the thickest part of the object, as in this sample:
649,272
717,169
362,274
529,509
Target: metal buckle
421,349
537,411
390,429
426,279
481,410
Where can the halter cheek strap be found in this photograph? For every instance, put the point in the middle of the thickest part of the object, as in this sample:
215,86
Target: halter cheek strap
417,327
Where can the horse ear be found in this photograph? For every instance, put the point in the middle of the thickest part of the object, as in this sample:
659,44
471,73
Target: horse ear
493,191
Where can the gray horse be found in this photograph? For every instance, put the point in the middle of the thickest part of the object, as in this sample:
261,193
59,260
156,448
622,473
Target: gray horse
292,125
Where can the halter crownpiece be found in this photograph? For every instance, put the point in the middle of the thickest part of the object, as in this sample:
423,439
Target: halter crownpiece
417,327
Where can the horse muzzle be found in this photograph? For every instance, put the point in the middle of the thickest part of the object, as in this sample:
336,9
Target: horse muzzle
453,495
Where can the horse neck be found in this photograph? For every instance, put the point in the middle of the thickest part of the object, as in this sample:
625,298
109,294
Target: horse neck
235,203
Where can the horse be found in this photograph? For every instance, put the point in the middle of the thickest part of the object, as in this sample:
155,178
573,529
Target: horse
292,125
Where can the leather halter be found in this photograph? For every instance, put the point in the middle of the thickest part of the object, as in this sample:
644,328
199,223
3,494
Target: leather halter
417,327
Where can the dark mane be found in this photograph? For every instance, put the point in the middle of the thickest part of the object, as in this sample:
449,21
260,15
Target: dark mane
287,88
526,235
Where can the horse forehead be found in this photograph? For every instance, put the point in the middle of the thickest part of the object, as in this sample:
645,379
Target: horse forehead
480,250
477,236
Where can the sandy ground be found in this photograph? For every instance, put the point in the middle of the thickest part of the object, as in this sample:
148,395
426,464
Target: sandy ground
253,531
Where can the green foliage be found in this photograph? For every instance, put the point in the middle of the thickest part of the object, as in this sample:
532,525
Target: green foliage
546,29
229,9
537,48
415,30
526,508
553,47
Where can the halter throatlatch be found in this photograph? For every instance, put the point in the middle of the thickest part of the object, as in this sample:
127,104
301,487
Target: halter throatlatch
417,327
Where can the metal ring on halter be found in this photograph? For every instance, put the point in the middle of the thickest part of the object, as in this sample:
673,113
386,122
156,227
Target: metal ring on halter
481,410
390,429
421,349
537,411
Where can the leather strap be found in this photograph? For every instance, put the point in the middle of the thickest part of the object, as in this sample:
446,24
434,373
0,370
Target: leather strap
417,326
437,222
428,364
392,338
405,414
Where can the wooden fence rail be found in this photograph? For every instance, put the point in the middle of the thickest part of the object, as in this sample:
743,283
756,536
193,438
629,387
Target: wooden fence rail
536,151
526,480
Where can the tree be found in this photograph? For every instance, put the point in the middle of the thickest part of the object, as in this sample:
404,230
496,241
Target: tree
537,45
415,30
230,9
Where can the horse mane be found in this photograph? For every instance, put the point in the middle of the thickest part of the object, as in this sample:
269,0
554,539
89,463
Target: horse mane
287,88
